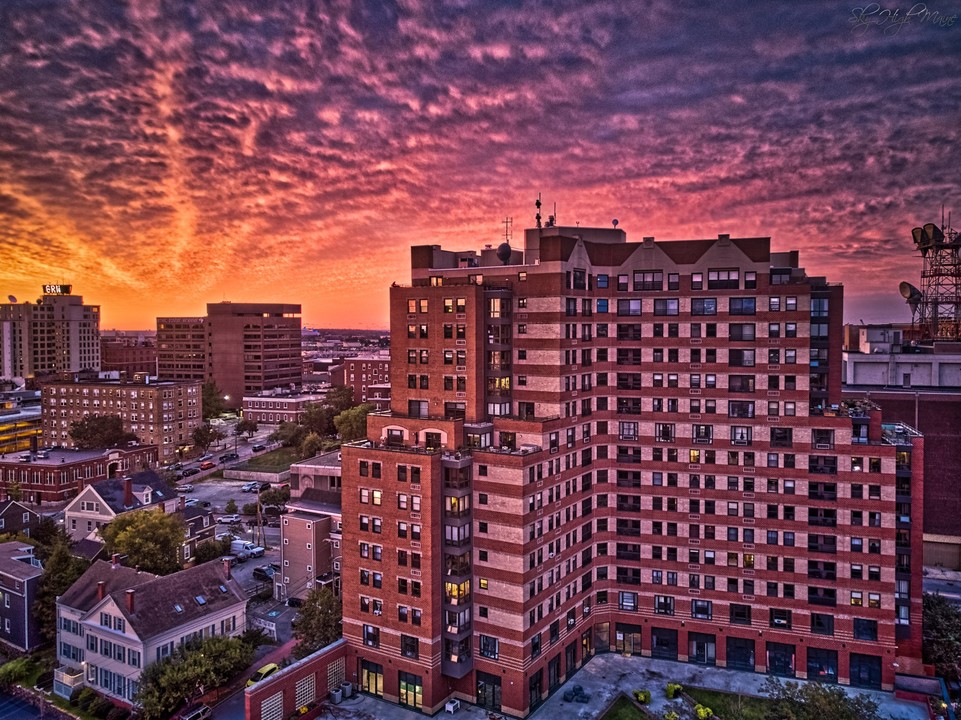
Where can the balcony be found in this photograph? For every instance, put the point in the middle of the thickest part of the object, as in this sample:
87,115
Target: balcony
66,680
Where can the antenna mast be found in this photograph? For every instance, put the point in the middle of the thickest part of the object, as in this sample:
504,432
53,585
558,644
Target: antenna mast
508,223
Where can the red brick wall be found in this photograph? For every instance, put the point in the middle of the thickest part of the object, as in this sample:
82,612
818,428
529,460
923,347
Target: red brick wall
320,665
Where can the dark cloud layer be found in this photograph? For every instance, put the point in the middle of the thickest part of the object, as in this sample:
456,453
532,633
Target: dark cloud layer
163,154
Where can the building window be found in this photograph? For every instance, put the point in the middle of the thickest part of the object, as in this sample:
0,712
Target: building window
409,646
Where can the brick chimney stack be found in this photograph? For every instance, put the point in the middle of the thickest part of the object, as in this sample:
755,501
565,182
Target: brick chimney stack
226,562
101,590
128,492
131,606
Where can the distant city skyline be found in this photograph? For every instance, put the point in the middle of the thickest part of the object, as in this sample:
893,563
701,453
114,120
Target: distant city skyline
160,158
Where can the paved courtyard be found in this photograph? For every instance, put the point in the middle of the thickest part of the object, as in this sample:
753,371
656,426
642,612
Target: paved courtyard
609,674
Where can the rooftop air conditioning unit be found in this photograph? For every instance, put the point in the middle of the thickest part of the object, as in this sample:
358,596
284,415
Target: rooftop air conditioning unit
823,446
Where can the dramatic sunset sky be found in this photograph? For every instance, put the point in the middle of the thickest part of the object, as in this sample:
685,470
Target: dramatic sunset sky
162,154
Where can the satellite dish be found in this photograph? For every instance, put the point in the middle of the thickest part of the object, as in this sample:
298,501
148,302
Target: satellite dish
934,233
504,252
911,295
11,298
614,222
908,290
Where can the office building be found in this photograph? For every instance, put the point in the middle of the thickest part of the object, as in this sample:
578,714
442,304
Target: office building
246,348
597,445
56,334
163,413
128,355
276,406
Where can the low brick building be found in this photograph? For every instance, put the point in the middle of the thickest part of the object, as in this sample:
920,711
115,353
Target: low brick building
58,475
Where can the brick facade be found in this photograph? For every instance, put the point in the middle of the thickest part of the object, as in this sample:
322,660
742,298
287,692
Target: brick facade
632,447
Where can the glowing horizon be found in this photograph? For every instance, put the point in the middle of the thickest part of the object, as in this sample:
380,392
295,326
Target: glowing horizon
160,157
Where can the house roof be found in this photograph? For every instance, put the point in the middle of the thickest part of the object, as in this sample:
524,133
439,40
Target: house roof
89,549
111,491
82,595
20,508
166,602
17,561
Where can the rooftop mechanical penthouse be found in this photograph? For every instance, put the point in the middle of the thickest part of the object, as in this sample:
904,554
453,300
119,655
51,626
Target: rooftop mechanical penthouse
597,445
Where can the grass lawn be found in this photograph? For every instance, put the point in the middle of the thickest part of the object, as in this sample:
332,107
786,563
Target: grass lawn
623,709
275,461
728,706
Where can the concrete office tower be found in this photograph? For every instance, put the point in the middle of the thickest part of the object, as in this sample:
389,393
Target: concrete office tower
599,445
245,348
55,334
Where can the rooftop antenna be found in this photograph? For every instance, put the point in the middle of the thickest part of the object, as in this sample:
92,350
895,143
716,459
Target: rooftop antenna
508,223
537,204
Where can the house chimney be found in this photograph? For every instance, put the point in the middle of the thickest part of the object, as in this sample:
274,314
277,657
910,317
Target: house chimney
127,491
226,562
115,560
183,502
131,607
101,590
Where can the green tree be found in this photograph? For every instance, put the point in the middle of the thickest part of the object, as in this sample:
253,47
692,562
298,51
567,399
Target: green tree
204,436
340,398
14,491
312,445
189,672
941,636
151,539
816,701
246,427
352,424
275,496
213,400
289,434
317,623
100,431
61,570
318,418
211,550
231,507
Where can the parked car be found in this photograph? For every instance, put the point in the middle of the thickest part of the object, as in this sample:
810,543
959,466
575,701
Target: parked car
207,465
264,672
194,712
229,519
249,487
229,456
176,466
265,486
258,448
192,502
190,471
185,488
265,573
205,457
295,602
272,522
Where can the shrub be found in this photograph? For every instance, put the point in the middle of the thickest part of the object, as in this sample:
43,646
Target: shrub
118,713
249,509
671,715
14,671
703,712
86,697
231,507
100,706
75,695
642,696
45,679
673,689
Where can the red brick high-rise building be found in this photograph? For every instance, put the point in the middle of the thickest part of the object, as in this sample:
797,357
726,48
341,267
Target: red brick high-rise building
597,445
